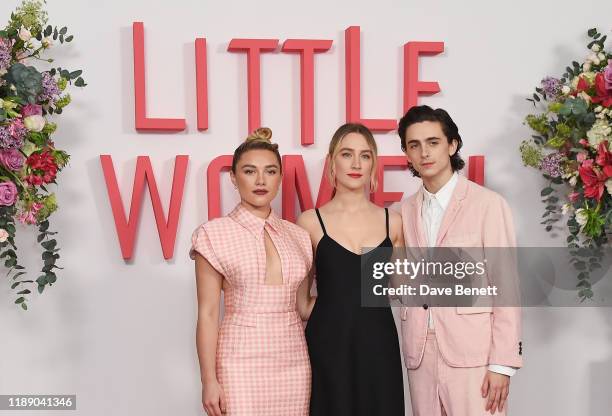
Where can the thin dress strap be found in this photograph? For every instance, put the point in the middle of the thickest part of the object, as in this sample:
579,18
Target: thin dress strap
387,220
321,221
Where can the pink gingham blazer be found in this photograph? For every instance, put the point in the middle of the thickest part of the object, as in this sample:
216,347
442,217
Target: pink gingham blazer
467,336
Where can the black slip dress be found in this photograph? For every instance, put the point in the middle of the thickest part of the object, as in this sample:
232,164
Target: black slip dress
354,350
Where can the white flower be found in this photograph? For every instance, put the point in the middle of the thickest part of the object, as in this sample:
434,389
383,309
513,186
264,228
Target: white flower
599,132
609,186
596,61
581,217
566,89
24,34
591,57
573,180
601,56
35,122
3,235
3,71
565,208
595,47
598,109
586,66
47,42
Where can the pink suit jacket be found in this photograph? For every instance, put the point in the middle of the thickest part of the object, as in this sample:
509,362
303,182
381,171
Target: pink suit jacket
466,336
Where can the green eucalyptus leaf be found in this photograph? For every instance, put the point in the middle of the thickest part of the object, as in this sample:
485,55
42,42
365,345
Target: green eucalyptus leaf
546,191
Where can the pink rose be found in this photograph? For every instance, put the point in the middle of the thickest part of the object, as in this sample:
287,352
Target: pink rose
8,193
12,159
26,218
608,75
29,217
31,110
573,197
581,157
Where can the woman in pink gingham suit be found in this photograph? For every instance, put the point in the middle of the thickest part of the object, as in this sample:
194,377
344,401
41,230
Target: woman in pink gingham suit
256,363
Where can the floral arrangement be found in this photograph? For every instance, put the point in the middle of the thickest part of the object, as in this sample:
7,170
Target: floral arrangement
572,147
29,160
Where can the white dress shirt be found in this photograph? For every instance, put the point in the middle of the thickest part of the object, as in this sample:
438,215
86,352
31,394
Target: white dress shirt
434,206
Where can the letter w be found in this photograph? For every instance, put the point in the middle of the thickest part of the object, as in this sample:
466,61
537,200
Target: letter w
126,229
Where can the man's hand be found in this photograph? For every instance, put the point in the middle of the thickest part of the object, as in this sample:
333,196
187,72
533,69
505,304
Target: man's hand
495,387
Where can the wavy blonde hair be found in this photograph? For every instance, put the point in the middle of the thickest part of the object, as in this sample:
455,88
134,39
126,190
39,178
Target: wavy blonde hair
259,139
334,148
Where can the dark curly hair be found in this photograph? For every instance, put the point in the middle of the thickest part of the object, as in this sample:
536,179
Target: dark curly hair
422,113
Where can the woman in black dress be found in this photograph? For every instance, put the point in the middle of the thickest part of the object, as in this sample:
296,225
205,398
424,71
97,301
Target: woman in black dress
354,350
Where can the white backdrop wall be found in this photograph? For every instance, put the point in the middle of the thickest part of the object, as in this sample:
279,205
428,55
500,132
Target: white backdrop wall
120,334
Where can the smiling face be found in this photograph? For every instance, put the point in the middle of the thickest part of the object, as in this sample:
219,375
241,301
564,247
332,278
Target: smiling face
428,149
257,177
352,162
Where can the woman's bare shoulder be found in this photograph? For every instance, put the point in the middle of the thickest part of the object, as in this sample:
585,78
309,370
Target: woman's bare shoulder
307,220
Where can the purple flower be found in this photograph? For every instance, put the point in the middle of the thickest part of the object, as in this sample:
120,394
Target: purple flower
551,87
31,110
17,129
50,88
11,159
8,193
551,164
7,140
608,75
6,47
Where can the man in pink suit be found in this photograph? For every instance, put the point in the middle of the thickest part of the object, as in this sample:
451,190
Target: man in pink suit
459,359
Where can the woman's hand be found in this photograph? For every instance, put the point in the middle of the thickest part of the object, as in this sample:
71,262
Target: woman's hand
213,399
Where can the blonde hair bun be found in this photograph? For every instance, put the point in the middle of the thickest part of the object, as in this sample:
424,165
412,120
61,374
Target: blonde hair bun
262,134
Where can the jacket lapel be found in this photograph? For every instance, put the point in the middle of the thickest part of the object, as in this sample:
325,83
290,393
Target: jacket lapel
453,208
417,225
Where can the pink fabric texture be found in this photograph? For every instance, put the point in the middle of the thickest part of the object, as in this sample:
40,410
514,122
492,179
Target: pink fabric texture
437,389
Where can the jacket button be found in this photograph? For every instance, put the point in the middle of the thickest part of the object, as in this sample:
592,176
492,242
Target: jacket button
425,306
